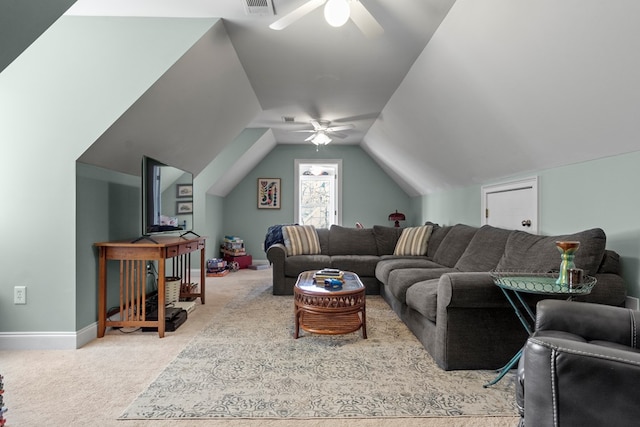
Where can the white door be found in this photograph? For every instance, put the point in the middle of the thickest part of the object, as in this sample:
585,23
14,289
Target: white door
512,205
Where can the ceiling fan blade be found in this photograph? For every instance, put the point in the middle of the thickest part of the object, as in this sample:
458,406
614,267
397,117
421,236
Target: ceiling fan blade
364,20
311,137
305,130
278,124
339,128
366,116
317,125
296,14
338,135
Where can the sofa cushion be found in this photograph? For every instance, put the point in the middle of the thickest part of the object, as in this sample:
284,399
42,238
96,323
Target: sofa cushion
301,240
531,252
610,263
454,244
362,265
423,298
401,280
484,250
389,263
351,241
386,238
413,241
297,264
323,238
437,234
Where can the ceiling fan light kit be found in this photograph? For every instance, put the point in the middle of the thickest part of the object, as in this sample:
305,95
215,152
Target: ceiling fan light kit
337,12
320,138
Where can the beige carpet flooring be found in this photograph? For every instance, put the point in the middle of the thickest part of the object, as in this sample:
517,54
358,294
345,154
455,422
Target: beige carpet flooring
93,385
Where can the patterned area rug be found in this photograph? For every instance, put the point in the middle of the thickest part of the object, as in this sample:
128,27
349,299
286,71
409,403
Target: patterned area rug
245,364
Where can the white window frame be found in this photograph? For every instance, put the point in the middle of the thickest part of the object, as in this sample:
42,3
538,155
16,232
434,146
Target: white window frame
338,189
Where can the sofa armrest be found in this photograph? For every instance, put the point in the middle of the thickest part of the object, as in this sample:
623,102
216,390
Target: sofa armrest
277,254
570,382
589,321
469,290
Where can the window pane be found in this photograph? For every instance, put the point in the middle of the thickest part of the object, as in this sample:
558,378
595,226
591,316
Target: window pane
316,202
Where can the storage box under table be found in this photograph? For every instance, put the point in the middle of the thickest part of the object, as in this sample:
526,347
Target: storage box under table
244,261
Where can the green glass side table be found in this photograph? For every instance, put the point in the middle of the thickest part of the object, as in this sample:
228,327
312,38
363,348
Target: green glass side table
514,284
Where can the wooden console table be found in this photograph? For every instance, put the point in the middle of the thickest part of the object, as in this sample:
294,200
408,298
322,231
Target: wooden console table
133,259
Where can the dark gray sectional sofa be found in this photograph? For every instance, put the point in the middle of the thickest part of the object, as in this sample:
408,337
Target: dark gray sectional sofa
447,297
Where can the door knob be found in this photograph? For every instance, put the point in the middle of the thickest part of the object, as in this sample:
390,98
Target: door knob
526,223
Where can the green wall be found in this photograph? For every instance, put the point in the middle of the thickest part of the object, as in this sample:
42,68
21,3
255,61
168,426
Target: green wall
599,193
368,194
56,99
108,207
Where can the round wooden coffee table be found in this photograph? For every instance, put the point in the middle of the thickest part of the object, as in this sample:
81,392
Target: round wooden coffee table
326,311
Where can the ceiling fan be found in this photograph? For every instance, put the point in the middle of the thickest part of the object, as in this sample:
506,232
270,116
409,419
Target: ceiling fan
322,131
337,13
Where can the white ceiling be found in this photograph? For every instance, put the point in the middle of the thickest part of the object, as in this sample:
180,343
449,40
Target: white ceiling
452,94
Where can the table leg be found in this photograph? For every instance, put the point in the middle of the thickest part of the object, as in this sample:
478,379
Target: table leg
161,297
203,267
506,368
527,326
296,330
521,317
102,293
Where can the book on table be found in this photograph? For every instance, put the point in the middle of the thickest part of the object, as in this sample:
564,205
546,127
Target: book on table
328,273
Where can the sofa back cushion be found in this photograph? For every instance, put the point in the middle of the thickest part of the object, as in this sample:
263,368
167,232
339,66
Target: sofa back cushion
484,250
351,241
437,235
530,252
323,238
301,240
413,241
386,238
454,244
610,263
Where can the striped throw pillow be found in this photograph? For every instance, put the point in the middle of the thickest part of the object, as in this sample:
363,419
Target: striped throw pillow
413,240
301,240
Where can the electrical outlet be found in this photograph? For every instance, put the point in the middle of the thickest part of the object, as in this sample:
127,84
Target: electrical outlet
20,295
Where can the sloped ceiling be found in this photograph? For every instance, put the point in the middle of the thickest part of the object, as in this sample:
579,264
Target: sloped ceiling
187,117
508,87
480,91
22,22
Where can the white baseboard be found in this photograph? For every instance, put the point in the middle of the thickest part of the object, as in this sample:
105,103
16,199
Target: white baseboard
48,340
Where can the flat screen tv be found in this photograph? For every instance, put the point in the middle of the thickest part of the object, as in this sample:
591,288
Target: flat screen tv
167,198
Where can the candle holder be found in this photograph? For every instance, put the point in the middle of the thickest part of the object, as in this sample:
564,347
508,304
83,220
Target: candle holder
567,253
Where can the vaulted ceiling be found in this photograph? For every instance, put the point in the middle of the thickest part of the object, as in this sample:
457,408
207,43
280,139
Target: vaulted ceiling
452,94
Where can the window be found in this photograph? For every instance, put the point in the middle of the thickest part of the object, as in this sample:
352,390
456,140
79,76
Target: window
317,192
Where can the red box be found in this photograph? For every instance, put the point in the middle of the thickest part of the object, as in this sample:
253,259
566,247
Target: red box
243,261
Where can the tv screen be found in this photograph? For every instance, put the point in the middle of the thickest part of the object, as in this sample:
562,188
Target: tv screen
167,198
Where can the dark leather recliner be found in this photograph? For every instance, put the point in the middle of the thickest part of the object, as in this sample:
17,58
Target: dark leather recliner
581,367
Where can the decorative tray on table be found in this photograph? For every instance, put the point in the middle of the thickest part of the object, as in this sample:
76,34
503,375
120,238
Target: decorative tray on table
543,283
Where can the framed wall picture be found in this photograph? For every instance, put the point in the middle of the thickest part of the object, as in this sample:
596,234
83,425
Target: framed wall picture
268,193
184,190
185,207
